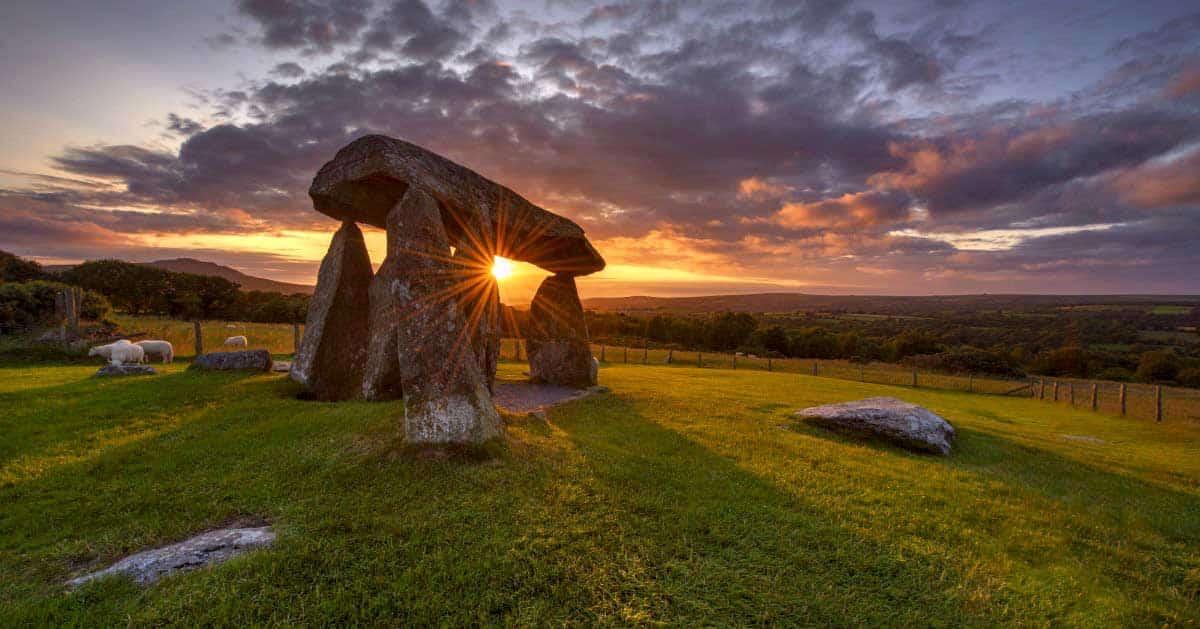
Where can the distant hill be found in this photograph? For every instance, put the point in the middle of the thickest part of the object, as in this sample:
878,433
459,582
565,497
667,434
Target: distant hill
247,282
200,267
790,302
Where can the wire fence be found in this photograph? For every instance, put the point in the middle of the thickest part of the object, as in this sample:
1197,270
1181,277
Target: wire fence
1139,401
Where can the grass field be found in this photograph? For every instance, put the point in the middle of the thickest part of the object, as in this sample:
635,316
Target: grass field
274,337
686,496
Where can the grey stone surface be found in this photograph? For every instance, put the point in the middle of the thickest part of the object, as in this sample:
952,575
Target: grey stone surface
381,375
526,397
281,366
478,297
332,353
889,419
446,399
125,369
557,338
201,550
366,179
241,360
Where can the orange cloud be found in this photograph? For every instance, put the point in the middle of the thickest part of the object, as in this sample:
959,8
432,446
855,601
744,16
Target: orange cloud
755,188
1161,184
851,210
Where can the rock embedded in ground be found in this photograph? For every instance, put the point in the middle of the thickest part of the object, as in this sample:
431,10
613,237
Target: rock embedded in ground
204,549
281,366
125,369
329,362
557,339
242,360
889,419
526,397
367,177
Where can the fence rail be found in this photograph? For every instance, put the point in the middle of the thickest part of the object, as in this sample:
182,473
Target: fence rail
1140,401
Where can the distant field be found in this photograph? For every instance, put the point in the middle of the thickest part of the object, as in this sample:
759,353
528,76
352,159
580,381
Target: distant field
274,337
685,497
1171,310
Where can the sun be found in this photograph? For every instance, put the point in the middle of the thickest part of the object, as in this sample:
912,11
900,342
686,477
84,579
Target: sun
502,268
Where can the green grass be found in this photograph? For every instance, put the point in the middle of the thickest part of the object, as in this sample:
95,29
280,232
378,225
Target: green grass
275,337
1166,309
687,496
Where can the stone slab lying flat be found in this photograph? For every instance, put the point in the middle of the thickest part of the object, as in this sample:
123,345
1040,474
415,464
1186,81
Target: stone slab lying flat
888,419
282,366
525,398
241,360
125,370
204,549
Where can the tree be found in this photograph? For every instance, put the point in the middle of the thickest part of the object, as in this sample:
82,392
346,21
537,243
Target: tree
15,269
1158,366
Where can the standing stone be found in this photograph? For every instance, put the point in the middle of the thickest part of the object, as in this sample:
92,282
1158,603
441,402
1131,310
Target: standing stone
381,375
330,361
557,336
445,397
479,301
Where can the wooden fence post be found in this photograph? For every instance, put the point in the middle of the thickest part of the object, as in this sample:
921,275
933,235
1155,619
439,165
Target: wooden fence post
295,338
199,338
914,376
1041,388
1158,403
1122,398
645,354
815,362
970,383
626,353
670,355
699,359
735,361
1095,398
768,363
602,353
1071,392
1056,390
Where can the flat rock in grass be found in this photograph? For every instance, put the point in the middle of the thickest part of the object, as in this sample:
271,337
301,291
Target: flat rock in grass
204,549
886,418
125,370
243,360
282,366
528,397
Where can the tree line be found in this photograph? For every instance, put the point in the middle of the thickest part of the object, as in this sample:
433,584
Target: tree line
140,289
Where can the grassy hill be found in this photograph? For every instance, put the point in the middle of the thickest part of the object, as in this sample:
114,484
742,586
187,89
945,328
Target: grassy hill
687,496
200,267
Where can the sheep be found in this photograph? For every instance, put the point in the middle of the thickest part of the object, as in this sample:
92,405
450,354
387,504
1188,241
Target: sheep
159,349
236,341
105,351
127,353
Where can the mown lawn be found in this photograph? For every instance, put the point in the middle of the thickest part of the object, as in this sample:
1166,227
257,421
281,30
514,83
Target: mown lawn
686,496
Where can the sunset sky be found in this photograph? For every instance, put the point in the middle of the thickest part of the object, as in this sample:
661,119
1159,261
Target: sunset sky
902,147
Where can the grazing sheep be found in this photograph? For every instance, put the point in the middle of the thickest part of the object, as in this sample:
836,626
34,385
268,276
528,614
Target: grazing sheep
158,349
128,353
236,341
105,351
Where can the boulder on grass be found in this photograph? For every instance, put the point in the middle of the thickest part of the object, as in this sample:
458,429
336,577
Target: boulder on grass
125,369
243,360
888,419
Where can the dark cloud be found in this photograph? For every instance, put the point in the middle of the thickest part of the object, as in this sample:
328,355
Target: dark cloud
310,25
801,136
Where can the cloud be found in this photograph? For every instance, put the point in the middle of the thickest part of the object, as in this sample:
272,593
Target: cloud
310,25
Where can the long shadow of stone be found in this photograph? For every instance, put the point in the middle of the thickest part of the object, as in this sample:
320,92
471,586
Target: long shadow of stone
836,560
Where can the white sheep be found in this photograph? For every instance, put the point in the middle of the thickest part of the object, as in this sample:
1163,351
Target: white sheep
158,349
236,341
128,353
105,351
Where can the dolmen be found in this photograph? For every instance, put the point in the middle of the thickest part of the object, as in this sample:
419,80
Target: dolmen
425,327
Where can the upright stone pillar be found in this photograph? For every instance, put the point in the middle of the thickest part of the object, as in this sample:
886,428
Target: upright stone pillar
479,301
446,399
330,360
381,375
557,337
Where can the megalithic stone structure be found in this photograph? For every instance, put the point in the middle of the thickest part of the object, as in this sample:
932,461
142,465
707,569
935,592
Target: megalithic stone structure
557,335
427,323
330,360
445,397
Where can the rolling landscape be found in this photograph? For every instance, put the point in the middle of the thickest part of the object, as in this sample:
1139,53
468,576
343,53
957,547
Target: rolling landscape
635,313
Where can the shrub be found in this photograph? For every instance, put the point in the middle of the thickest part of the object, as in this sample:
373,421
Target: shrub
1189,377
1158,366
